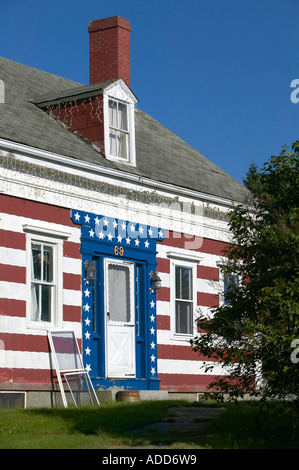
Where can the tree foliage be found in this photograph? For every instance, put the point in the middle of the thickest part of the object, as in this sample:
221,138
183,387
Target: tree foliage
253,334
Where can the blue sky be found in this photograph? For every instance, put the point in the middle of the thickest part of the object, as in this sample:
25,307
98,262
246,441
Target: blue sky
217,73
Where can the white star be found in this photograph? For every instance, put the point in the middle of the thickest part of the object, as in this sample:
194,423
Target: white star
128,240
146,244
87,218
160,234
97,220
101,235
87,321
141,229
110,236
91,233
87,335
137,242
86,307
87,351
88,368
123,226
153,370
152,317
114,224
152,330
77,216
153,358
152,304
152,345
105,222
150,232
119,238
132,227
86,293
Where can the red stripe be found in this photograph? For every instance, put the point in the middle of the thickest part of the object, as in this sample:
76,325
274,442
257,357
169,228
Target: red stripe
204,245
205,272
10,239
163,294
12,273
71,250
19,342
163,265
71,313
185,382
24,376
163,322
183,353
207,300
14,308
35,210
71,281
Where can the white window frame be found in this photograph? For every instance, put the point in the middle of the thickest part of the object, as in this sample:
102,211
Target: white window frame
174,262
55,239
222,284
120,93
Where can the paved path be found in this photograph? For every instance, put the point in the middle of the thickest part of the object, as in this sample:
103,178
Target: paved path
184,419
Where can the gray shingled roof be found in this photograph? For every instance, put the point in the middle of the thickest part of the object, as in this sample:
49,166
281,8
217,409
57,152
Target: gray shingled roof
161,155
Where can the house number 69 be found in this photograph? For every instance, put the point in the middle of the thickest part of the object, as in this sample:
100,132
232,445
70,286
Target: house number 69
118,250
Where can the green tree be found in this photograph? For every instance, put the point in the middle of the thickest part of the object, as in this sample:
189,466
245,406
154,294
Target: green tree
253,333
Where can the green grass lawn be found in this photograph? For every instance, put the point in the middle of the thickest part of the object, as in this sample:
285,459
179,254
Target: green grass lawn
241,426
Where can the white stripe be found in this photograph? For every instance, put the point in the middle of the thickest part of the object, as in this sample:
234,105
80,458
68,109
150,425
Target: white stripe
12,290
208,259
172,366
13,257
72,297
71,265
14,223
18,325
24,360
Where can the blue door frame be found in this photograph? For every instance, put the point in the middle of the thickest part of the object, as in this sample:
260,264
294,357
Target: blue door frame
105,237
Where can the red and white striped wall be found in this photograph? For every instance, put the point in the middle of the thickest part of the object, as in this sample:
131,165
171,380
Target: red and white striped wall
24,352
179,367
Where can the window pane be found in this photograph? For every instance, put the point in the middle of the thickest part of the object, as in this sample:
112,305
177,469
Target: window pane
34,302
183,283
119,293
48,264
46,303
122,117
112,113
113,148
36,261
122,144
184,317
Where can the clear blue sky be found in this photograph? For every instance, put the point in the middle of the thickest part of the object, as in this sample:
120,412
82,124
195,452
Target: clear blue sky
215,72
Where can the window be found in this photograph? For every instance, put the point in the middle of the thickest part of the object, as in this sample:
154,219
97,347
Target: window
183,297
43,283
230,282
119,123
118,129
183,300
44,276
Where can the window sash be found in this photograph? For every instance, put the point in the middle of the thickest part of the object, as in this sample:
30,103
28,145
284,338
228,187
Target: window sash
43,283
118,129
183,299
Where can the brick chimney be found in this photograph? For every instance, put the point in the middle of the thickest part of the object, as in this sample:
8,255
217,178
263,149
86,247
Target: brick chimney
109,49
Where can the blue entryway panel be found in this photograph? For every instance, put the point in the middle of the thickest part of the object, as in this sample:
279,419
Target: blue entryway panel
106,238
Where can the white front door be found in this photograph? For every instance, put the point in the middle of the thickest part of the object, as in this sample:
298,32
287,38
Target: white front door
120,318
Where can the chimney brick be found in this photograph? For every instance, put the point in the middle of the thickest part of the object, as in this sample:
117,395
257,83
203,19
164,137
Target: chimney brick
109,49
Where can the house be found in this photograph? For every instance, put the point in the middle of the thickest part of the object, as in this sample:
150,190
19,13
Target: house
98,202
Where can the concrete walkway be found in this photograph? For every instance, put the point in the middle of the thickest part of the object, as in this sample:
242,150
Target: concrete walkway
183,419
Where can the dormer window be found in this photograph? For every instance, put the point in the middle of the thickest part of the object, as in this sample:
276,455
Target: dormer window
119,136
119,123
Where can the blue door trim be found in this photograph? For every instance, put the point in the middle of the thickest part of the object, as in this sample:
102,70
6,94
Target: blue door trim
115,238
